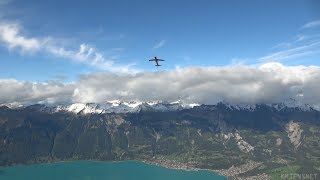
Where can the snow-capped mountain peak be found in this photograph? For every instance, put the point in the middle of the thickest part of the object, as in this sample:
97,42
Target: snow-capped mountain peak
117,106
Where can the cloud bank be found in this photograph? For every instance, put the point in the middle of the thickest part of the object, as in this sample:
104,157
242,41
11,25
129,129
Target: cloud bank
268,83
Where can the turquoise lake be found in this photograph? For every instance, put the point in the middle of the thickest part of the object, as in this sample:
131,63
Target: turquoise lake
90,170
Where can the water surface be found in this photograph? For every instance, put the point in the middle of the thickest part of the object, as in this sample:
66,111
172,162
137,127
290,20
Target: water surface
90,170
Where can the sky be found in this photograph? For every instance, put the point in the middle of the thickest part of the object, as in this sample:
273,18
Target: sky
62,51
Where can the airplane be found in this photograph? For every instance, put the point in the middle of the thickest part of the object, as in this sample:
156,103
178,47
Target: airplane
156,61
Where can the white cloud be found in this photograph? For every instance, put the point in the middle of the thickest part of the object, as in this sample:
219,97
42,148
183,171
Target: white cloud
300,38
11,36
282,45
311,24
299,46
268,83
159,44
23,92
294,52
89,55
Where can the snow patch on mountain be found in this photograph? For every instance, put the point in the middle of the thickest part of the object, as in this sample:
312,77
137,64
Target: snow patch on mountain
13,105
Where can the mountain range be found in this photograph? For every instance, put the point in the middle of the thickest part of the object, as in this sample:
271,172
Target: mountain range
261,141
118,106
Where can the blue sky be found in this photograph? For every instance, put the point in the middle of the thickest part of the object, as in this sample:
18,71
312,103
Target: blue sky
40,40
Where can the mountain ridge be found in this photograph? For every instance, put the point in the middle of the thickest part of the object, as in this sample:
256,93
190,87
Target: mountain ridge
117,106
